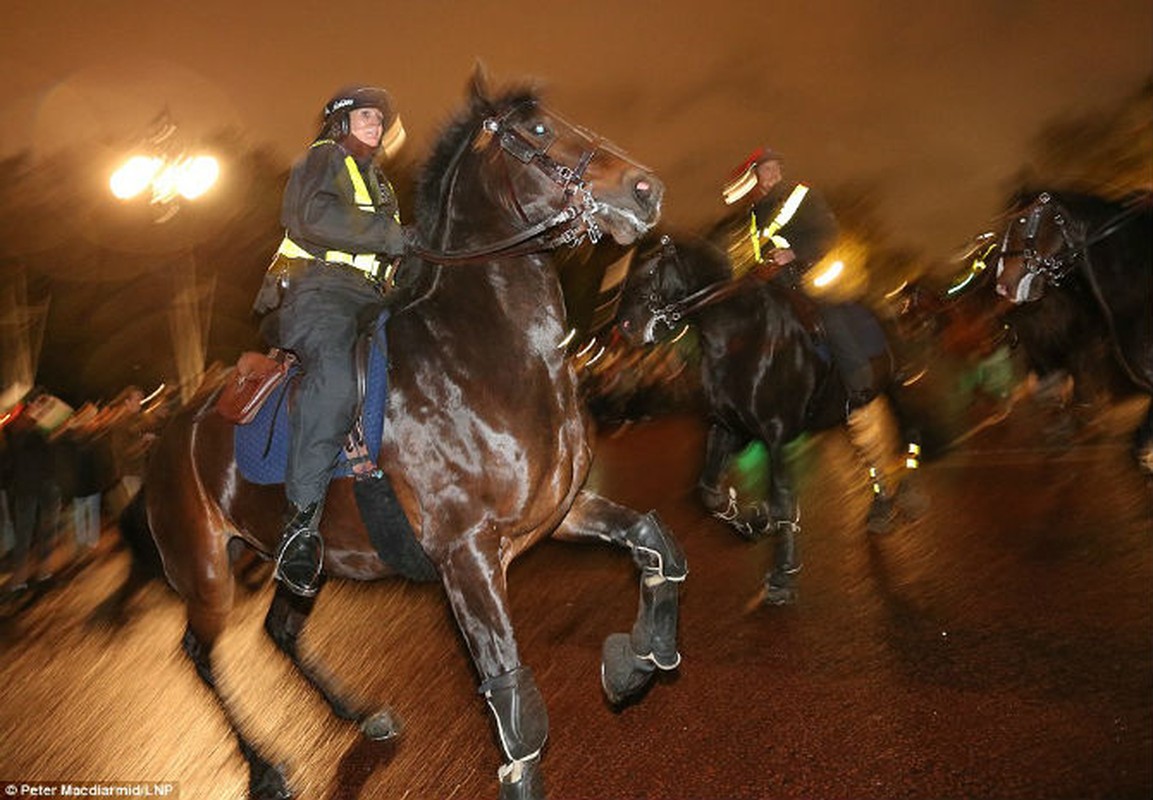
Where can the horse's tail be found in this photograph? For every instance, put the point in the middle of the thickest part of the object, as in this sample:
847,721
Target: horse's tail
136,533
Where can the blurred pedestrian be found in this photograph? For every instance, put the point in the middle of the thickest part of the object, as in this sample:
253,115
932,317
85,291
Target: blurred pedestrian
88,486
130,439
35,501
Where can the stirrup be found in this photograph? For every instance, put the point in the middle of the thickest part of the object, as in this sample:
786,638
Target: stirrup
306,560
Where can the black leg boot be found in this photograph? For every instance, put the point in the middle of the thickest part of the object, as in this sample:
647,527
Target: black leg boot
301,552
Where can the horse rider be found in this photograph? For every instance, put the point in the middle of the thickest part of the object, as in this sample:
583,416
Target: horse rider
787,228
343,237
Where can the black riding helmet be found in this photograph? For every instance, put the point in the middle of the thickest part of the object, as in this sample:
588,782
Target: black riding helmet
334,124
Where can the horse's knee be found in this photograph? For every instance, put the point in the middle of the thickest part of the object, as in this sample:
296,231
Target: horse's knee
519,711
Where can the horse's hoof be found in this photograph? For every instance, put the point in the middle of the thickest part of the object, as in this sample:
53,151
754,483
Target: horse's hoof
521,780
778,595
882,516
623,672
381,726
268,784
1145,460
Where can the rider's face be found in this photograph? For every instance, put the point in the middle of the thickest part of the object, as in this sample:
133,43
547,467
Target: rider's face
367,125
768,174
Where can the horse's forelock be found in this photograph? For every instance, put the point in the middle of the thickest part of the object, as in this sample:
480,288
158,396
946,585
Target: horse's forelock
456,136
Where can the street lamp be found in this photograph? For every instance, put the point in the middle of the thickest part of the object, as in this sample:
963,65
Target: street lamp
168,176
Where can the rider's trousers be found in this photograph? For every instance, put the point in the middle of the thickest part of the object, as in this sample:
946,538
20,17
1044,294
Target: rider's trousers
319,320
855,339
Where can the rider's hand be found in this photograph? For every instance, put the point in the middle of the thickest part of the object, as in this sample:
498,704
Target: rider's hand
780,256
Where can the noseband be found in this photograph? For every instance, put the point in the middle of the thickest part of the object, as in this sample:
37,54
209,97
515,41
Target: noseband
672,313
575,219
1054,267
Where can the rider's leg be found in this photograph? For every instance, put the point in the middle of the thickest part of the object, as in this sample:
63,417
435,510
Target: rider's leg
318,321
873,432
854,340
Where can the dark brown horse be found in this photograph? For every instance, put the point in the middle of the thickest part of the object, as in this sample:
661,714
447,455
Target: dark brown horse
764,379
1079,269
485,440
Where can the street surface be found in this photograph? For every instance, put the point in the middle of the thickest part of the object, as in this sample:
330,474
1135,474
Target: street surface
999,647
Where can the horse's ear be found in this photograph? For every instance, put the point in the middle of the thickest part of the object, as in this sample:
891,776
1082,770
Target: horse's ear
478,88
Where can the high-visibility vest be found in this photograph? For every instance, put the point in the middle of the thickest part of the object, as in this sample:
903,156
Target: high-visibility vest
368,263
780,220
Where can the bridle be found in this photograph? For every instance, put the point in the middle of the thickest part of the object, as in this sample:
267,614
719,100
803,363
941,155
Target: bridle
672,313
571,225
1053,267
1075,238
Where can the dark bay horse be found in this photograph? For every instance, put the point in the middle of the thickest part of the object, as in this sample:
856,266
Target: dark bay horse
763,374
485,440
1078,269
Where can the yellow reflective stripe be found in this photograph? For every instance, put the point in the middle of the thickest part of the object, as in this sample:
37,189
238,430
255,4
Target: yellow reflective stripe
291,249
754,236
788,209
791,204
362,197
366,262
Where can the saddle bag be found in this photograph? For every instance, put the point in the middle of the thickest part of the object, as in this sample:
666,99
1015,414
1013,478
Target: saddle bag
255,377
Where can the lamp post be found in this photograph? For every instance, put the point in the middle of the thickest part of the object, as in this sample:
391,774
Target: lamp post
168,178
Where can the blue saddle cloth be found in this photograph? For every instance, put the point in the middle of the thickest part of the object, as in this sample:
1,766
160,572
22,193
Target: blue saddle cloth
262,445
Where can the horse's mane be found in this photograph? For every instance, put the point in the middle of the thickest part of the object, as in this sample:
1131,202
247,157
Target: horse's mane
455,136
1092,207
704,259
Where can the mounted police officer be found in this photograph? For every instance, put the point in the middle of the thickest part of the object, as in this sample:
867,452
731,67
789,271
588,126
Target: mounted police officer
785,231
343,237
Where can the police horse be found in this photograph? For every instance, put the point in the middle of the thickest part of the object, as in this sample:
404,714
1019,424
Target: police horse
1070,262
764,375
485,439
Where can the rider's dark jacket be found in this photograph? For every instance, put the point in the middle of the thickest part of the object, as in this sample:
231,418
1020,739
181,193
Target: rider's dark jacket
320,211
810,231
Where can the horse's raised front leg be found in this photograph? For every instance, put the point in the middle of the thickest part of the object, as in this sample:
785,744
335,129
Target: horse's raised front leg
628,661
721,446
474,580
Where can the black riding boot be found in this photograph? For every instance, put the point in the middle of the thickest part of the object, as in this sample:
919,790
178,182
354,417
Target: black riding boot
300,552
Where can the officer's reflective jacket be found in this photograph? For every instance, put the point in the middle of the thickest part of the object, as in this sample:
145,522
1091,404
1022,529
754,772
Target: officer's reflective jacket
807,226
337,208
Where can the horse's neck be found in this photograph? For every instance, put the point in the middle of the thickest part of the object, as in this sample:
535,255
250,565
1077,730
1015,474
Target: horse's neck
517,299
758,314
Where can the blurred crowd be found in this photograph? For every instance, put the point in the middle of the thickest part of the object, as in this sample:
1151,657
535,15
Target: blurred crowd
64,476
